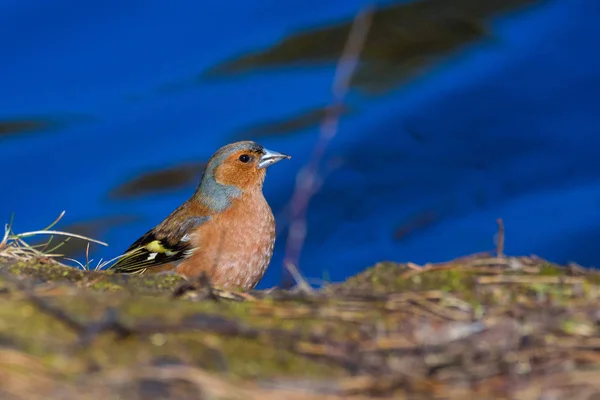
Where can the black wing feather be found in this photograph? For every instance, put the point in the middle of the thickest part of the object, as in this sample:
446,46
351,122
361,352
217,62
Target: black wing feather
156,248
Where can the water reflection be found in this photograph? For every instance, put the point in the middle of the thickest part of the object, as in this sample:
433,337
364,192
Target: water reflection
404,38
19,126
159,181
292,124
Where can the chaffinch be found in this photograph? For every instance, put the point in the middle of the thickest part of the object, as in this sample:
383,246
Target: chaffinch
226,229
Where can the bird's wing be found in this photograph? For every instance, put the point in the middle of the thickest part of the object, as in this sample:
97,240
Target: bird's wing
157,247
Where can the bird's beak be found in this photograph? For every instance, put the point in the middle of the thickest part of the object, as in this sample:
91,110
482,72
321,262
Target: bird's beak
270,157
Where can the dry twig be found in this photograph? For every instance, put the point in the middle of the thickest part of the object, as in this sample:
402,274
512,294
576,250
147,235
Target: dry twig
500,239
307,180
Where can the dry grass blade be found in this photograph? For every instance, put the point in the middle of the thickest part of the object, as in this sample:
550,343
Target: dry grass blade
51,232
5,237
13,245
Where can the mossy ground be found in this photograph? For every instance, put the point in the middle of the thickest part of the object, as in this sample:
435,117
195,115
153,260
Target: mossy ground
510,327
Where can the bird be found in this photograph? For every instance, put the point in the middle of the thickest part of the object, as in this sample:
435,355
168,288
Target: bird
225,231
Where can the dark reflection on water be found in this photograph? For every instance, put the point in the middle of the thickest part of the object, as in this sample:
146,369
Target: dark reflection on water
14,127
159,181
404,38
295,123
414,223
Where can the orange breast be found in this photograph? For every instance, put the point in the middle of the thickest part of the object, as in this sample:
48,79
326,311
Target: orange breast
235,247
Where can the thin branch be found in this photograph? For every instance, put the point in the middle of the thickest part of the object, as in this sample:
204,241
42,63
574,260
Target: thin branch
308,179
500,239
301,283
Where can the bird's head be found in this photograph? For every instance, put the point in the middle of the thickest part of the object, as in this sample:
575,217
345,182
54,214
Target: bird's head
236,168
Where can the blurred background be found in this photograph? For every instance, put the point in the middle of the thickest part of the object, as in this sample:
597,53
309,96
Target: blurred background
461,112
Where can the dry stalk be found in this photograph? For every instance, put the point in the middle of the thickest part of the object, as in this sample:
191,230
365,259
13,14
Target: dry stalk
500,239
307,180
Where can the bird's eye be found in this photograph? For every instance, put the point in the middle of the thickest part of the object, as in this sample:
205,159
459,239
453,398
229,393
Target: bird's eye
244,158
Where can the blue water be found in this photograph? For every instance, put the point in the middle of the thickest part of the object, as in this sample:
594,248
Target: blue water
505,127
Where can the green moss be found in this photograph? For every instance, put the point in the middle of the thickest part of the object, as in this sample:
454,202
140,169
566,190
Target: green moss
548,269
579,327
51,271
376,317
43,336
391,277
106,286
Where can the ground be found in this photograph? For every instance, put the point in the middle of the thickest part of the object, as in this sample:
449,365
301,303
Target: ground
481,326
